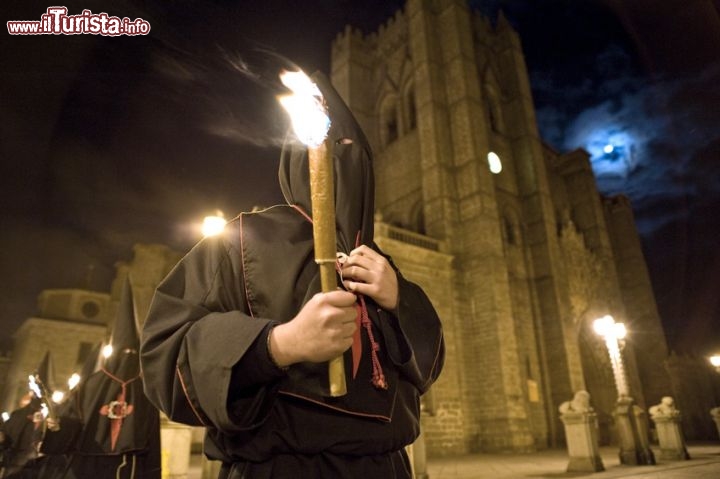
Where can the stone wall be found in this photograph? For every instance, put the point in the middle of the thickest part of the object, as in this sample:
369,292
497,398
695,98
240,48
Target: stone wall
430,268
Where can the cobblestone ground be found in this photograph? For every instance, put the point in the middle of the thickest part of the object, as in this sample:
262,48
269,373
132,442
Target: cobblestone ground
704,464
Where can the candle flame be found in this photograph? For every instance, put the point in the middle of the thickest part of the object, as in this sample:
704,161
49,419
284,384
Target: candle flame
305,107
57,397
74,380
34,387
107,350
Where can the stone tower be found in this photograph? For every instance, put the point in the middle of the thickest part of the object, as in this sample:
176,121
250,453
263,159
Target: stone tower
519,260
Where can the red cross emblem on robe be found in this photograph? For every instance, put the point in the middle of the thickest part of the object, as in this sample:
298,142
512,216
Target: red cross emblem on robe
116,411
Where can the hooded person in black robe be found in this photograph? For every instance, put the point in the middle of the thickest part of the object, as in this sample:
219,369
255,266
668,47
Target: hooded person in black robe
22,433
59,442
18,439
119,429
211,355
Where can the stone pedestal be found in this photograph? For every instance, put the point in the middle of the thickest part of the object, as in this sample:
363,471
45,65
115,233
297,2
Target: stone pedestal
418,458
672,444
210,469
581,431
175,442
668,424
632,450
715,413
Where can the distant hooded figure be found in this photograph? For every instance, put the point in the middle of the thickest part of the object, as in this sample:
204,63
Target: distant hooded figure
113,428
19,435
23,432
238,334
61,435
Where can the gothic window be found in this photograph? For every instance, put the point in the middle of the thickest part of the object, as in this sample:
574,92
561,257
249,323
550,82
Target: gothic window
509,231
389,122
391,126
492,109
410,108
417,218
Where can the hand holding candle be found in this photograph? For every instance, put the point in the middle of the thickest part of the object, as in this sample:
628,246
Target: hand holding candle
37,386
311,125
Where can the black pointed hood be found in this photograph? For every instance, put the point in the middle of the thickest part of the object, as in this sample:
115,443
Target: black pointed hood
124,361
354,178
117,417
91,364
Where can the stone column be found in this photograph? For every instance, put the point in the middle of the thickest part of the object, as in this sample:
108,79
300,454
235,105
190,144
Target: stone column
175,442
581,432
643,427
632,451
715,413
670,437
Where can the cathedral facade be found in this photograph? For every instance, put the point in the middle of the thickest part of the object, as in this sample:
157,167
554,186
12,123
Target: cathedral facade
511,239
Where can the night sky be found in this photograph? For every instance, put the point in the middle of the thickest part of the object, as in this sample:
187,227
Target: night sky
111,141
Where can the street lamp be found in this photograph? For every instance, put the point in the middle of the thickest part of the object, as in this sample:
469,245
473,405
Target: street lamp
715,361
629,418
214,224
614,333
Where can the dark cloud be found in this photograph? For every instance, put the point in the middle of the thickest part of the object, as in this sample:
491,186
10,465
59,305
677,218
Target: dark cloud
652,140
666,133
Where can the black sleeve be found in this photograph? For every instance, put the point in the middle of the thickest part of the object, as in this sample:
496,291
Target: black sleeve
195,338
413,335
63,440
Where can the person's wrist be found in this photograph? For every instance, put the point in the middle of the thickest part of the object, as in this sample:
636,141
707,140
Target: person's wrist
277,347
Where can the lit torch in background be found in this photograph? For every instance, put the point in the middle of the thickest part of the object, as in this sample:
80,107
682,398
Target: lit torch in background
311,124
38,388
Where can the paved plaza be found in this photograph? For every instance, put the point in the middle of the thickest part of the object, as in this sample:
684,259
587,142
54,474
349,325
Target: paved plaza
704,463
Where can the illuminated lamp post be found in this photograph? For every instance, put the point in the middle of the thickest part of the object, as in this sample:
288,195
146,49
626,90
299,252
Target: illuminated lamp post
630,419
613,333
715,361
214,224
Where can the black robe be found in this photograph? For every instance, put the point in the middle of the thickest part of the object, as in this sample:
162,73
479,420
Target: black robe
57,446
109,429
204,351
21,432
104,444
